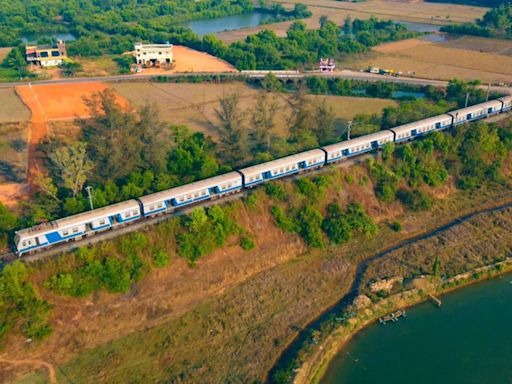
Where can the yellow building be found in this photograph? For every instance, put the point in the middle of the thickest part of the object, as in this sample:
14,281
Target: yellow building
46,55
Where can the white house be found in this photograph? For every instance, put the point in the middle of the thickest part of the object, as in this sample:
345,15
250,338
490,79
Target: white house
153,55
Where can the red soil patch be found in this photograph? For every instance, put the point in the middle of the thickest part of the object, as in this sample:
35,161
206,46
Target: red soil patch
12,193
66,101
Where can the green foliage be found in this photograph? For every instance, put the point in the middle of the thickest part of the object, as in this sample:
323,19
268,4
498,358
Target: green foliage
396,226
160,258
283,220
246,243
387,181
340,226
413,110
309,223
96,269
303,48
415,200
496,23
70,68
436,266
204,231
313,187
20,307
276,190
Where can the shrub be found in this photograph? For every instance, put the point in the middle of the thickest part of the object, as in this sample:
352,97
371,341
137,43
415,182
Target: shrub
415,200
246,243
282,220
309,221
276,190
396,226
160,258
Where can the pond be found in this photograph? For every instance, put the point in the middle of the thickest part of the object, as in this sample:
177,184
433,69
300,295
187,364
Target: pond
419,27
227,23
468,340
32,39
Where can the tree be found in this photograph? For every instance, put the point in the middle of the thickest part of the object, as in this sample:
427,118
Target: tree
72,165
8,220
324,122
271,83
231,130
150,128
300,117
262,120
47,186
15,58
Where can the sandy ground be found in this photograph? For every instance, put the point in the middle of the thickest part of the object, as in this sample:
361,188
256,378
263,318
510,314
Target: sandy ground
11,107
190,60
3,52
337,11
12,193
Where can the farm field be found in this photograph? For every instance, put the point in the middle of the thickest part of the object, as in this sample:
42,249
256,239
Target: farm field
480,44
11,107
194,104
437,61
13,151
336,11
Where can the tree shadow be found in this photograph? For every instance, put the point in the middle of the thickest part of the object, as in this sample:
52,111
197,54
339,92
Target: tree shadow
10,173
18,145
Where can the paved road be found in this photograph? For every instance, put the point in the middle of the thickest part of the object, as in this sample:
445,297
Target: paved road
344,74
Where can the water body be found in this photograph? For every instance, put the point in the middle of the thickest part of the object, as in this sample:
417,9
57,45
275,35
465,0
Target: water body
31,39
468,340
419,27
227,23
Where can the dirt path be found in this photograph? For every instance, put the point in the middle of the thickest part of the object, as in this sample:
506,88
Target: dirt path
52,376
38,132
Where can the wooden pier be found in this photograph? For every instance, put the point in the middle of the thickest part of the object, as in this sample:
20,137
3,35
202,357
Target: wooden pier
435,300
394,316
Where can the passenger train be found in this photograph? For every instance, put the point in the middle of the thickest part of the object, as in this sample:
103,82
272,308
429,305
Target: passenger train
90,223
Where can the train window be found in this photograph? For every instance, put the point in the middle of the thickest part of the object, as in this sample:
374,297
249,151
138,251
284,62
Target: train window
75,230
24,243
151,207
181,199
127,214
135,212
102,222
65,233
203,193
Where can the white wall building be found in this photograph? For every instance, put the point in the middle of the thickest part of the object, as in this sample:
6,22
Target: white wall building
153,55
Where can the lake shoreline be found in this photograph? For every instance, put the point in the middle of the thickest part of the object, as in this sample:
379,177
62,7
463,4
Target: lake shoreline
315,366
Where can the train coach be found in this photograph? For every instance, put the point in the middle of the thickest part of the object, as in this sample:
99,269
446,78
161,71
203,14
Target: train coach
476,112
77,226
419,128
168,200
338,151
282,167
507,103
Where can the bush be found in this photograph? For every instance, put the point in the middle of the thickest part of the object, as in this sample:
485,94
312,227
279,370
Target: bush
309,221
246,243
342,226
276,190
396,226
415,200
282,220
160,258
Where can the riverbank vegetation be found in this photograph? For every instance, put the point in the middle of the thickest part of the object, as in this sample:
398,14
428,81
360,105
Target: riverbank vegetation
495,23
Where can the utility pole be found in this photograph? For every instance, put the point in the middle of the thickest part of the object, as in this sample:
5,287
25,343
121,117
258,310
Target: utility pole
348,130
488,91
467,99
88,189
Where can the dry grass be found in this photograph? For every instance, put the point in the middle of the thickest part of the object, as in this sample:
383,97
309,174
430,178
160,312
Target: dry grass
437,61
11,107
419,11
194,104
99,66
481,44
13,151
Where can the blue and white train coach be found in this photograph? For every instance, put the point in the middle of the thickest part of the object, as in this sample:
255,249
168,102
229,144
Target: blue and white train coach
282,167
475,112
507,103
76,226
191,193
413,130
356,146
